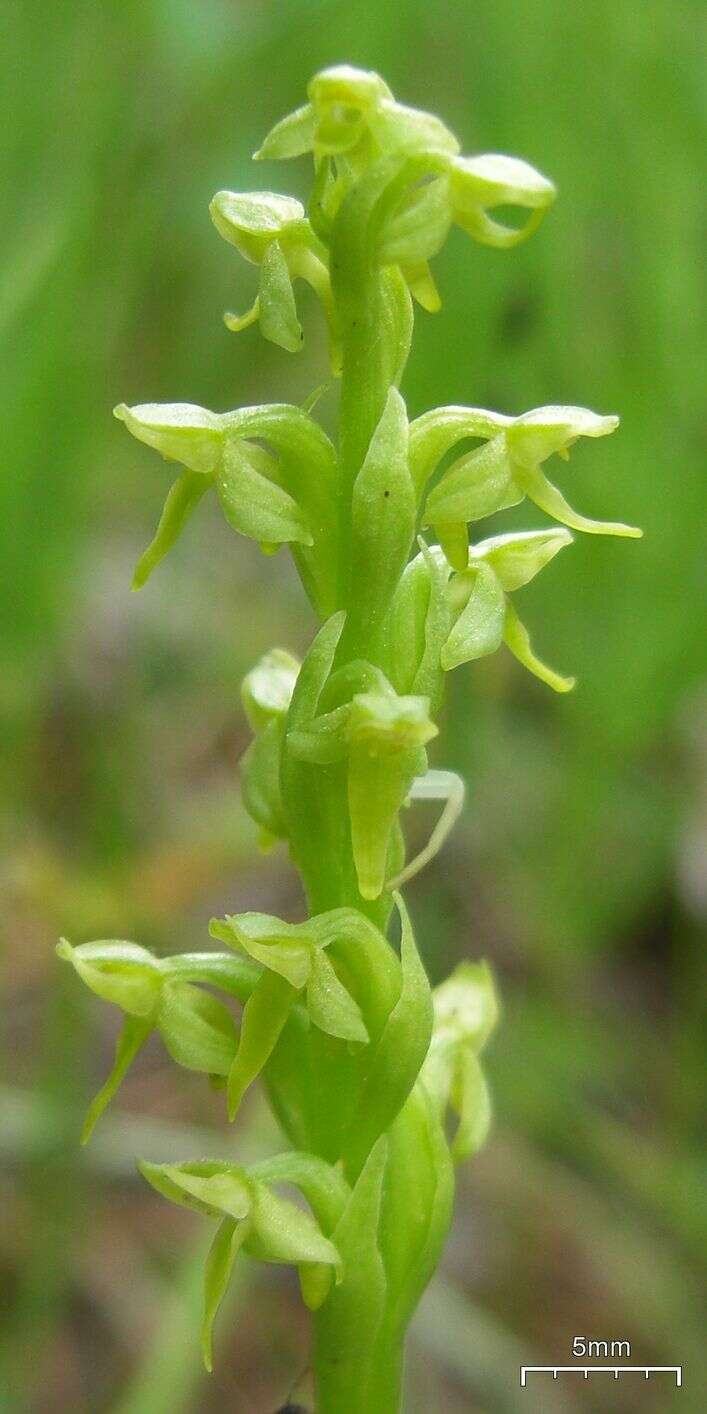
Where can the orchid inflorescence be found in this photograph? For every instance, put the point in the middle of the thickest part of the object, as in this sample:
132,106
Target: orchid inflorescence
361,1060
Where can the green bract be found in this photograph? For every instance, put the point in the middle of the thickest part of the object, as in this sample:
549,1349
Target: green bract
360,1060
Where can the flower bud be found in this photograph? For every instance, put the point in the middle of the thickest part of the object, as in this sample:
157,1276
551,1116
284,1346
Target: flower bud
267,689
465,1013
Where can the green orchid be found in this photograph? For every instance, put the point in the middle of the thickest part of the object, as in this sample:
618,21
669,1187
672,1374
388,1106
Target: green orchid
359,1059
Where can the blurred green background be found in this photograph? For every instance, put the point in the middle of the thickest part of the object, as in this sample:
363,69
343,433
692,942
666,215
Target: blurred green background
580,865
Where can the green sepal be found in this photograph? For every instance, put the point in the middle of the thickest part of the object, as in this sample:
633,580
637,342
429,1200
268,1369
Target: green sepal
330,1005
208,1186
182,499
476,485
282,1232
478,630
435,433
454,542
253,504
325,740
419,227
281,947
197,1029
383,521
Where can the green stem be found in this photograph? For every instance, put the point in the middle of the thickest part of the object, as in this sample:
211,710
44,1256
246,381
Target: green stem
354,1380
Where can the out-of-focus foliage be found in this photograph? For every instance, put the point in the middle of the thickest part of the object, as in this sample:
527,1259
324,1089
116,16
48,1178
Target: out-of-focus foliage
580,872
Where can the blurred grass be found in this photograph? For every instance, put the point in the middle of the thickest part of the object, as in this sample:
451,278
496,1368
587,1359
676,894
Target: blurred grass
580,868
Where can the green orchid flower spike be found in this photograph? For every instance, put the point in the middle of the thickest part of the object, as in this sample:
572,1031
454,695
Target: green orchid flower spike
332,1013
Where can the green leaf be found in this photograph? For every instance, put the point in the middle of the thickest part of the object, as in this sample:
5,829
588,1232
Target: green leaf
220,1261
351,1316
182,499
396,1060
330,1005
383,521
479,628
197,1029
254,505
314,673
133,1035
516,637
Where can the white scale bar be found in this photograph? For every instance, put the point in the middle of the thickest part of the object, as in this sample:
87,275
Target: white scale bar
614,1370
